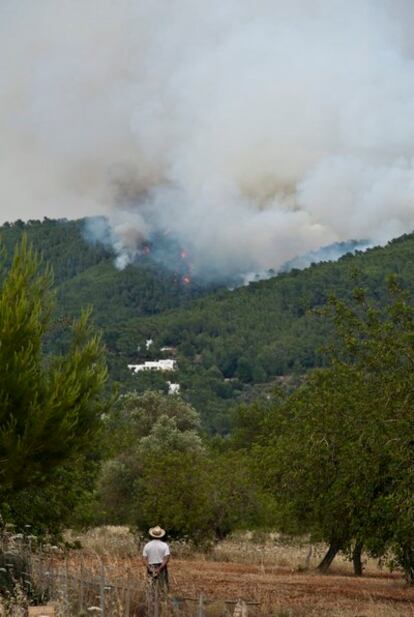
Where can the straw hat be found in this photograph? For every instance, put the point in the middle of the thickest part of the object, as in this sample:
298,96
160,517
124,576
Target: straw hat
157,532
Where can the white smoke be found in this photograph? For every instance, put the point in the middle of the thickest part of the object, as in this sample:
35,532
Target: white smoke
252,131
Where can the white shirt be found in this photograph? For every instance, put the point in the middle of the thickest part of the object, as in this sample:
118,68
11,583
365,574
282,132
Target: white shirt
155,551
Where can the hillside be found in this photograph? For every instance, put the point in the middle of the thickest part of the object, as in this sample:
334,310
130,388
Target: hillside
85,274
230,345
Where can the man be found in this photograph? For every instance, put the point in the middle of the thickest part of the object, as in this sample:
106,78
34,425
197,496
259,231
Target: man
156,555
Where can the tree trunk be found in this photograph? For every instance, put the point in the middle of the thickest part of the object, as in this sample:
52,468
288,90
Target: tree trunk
356,558
406,559
333,549
308,557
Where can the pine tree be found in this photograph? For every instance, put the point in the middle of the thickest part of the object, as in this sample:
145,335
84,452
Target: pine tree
50,406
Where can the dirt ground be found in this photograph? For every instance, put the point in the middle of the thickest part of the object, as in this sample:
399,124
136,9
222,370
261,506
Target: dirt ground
298,593
269,574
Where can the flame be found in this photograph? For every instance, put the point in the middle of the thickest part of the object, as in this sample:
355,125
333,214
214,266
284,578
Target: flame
186,279
183,254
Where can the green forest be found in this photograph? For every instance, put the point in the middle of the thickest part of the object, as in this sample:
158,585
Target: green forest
296,409
231,346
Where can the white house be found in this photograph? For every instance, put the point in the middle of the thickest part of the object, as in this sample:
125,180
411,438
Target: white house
173,388
154,365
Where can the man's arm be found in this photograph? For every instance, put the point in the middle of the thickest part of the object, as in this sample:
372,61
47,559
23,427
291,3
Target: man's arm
145,557
164,563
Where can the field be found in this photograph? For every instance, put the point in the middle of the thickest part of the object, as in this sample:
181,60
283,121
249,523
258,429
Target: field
268,574
279,590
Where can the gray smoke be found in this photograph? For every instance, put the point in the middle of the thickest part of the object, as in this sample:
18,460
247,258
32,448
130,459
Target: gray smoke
252,132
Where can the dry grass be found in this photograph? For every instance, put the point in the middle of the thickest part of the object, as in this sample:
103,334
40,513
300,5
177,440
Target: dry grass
273,550
259,549
267,570
107,540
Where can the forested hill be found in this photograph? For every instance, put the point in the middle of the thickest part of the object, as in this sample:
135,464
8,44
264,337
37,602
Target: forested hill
230,345
85,274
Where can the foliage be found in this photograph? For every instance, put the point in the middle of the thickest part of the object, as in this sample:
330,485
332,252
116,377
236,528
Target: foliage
230,344
237,499
65,500
137,415
156,455
334,454
85,274
50,406
172,487
160,470
338,452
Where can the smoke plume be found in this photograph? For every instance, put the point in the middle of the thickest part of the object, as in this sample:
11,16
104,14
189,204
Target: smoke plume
251,132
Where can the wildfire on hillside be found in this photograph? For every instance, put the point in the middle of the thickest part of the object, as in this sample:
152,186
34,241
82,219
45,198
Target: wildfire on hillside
162,250
186,277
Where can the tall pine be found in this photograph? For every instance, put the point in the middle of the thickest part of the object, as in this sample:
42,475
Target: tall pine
50,406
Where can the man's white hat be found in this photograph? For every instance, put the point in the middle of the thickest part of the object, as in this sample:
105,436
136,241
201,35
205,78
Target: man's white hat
157,532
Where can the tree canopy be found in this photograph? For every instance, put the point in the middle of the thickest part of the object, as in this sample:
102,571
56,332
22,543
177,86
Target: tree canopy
231,343
159,468
50,405
338,452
